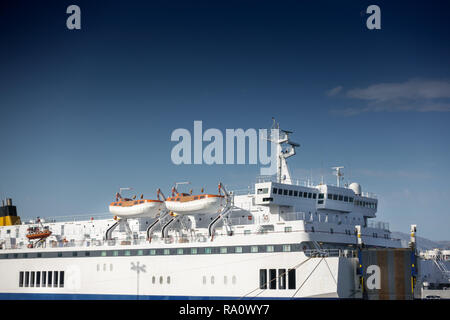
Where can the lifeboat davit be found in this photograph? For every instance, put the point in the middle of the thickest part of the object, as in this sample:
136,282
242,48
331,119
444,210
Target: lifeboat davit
129,208
184,203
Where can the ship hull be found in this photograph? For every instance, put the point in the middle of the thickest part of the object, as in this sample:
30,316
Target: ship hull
202,276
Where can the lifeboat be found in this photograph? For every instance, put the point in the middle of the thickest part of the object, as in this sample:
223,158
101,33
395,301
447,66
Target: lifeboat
132,208
184,203
128,208
37,233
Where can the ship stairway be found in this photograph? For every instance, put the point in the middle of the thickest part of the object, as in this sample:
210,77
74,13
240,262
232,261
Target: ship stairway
442,268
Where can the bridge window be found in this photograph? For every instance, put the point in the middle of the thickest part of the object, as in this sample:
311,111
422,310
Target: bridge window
330,196
335,196
321,195
263,278
27,278
285,192
345,199
295,193
341,197
32,279
262,190
44,278
305,194
281,278
309,195
314,195
55,279
38,279
274,191
291,279
61,279
280,191
350,199
273,278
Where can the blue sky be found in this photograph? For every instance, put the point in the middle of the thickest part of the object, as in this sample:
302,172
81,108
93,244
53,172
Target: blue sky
86,112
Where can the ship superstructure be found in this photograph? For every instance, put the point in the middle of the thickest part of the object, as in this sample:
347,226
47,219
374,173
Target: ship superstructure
283,239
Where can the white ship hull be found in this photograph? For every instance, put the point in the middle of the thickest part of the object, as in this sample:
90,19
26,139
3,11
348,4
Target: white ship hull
174,276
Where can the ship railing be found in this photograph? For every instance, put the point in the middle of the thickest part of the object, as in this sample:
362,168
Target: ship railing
378,225
74,218
296,182
330,253
320,217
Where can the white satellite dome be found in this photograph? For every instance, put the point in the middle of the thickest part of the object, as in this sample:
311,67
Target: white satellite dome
356,187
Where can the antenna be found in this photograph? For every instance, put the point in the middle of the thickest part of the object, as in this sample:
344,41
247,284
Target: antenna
184,182
338,174
124,189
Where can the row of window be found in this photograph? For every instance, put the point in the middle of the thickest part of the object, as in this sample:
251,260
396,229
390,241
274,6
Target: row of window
225,280
273,281
339,197
50,279
161,280
295,193
320,197
156,252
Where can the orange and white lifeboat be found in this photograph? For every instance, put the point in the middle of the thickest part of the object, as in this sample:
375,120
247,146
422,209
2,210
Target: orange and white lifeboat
183,203
37,233
131,208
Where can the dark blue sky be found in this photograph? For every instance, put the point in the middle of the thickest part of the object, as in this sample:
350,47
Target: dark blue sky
87,111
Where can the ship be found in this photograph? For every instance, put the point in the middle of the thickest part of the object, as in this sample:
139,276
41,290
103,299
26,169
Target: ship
282,239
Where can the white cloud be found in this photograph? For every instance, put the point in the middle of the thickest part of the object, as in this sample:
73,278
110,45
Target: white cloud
334,91
411,89
414,95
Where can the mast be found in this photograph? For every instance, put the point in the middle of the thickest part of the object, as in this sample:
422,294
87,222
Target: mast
280,138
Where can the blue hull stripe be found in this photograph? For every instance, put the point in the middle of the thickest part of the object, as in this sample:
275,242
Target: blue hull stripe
61,296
